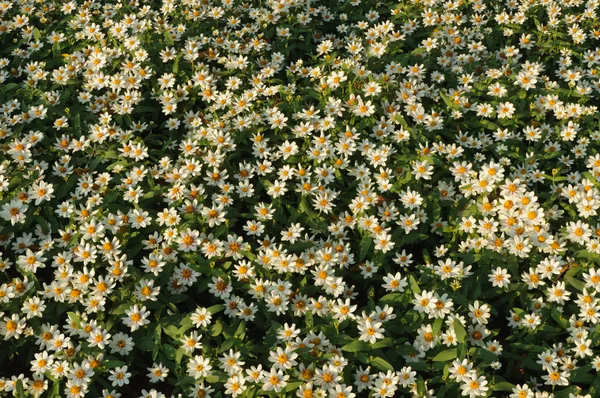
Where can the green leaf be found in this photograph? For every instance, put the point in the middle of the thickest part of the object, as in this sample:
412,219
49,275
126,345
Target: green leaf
503,386
293,386
65,188
172,331
426,256
437,326
392,298
176,66
567,392
309,320
412,238
56,50
77,124
582,375
305,208
179,355
576,283
483,354
557,316
215,308
241,330
114,363
365,245
459,330
110,154
169,39
461,351
216,377
446,355
447,100
55,393
405,349
73,317
356,346
20,391
414,286
382,364
386,342
121,309
489,125
421,386
216,329
169,351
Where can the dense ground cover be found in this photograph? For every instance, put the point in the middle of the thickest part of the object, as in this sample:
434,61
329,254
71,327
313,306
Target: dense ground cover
299,198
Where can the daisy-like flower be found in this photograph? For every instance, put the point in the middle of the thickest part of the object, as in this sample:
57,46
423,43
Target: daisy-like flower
189,240
12,327
157,372
42,362
558,293
201,317
274,380
283,358
136,317
14,211
235,385
505,110
99,338
578,232
592,279
370,331
479,313
31,261
363,109
409,222
422,170
424,302
41,192
499,278
474,386
394,283
191,342
121,343
119,376
231,362
557,378
342,310
199,367
582,348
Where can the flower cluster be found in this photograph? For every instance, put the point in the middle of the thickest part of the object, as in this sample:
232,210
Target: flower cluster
299,198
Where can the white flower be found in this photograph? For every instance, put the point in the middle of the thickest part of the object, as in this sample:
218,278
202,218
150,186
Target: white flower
283,359
505,110
422,170
31,261
199,367
157,372
499,278
424,301
479,313
474,386
41,191
121,344
14,211
274,380
231,362
370,331
136,317
394,283
119,376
